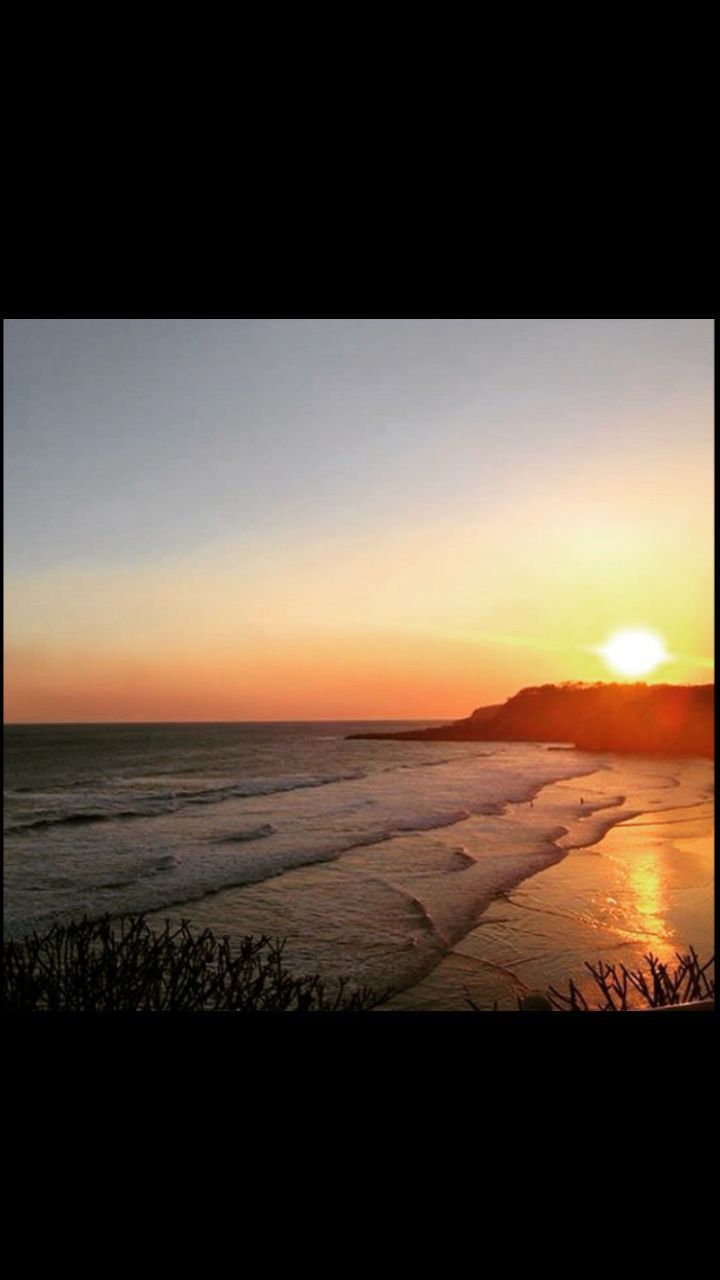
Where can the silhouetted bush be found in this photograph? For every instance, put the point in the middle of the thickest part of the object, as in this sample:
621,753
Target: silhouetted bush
124,966
653,987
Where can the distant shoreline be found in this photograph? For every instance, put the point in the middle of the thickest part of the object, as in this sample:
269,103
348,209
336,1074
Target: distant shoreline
526,938
637,719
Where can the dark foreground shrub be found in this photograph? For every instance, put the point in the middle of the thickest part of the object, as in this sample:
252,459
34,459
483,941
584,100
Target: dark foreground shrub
124,966
654,986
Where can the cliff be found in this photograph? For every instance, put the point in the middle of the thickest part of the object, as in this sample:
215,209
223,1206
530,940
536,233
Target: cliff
638,718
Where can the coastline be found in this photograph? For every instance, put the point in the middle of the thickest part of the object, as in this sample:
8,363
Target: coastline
642,886
390,867
523,907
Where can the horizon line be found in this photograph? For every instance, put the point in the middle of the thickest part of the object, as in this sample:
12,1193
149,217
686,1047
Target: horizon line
586,684
90,724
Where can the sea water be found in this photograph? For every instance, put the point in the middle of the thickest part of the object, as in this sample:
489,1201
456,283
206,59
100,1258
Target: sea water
373,858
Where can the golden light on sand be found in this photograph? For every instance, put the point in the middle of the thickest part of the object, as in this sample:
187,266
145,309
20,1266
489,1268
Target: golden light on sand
634,652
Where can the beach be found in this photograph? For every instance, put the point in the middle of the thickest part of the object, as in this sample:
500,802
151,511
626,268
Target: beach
386,642
646,887
441,872
616,882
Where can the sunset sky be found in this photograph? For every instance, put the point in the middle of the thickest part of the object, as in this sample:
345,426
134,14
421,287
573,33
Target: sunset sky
348,519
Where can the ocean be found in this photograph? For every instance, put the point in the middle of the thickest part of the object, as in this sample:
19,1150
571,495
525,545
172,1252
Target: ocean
375,859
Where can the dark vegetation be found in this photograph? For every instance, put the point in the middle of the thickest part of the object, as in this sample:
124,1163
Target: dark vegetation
640,718
621,990
655,986
124,966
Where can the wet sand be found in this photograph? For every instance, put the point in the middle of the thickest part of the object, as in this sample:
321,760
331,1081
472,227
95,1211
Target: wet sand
610,863
647,886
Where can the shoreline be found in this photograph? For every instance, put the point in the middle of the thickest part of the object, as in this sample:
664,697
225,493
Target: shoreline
518,847
535,936
466,902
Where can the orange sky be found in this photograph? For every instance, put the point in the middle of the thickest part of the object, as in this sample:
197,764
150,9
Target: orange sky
414,566
420,623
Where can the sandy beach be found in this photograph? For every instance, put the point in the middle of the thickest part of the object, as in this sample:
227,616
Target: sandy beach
646,886
611,865
436,871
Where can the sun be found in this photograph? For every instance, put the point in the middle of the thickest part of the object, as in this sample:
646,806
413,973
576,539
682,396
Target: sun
634,652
